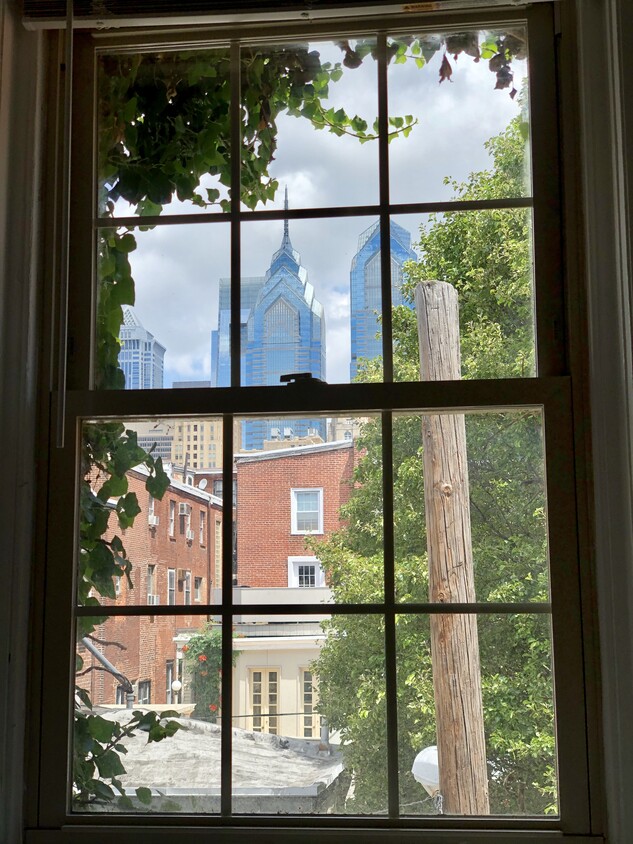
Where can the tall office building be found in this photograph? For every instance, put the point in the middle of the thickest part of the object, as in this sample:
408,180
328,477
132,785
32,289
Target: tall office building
365,289
282,330
141,357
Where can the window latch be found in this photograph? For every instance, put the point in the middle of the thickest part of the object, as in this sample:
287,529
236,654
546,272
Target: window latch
300,378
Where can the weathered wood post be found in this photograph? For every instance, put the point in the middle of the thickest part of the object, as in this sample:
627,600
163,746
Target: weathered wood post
454,643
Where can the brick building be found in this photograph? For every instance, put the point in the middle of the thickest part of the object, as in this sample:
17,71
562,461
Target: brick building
173,547
283,497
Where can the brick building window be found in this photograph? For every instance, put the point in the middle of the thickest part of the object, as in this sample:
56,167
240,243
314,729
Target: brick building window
187,588
152,596
306,508
145,691
197,588
305,572
203,528
171,586
172,517
170,676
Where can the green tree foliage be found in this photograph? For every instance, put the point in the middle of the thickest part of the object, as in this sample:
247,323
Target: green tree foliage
204,661
485,255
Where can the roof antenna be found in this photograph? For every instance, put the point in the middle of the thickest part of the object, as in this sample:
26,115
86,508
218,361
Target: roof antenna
286,238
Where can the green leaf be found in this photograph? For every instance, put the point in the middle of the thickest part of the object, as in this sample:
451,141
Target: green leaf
127,243
101,729
144,795
109,764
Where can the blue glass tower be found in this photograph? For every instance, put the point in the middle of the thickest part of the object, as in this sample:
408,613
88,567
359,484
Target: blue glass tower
365,289
141,357
282,331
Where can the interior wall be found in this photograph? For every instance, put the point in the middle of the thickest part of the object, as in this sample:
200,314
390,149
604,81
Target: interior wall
21,122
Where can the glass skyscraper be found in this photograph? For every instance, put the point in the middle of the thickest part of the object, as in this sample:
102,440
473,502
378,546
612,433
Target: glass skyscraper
365,291
141,357
282,329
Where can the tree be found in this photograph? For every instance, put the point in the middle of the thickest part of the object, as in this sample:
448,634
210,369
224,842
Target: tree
485,255
204,660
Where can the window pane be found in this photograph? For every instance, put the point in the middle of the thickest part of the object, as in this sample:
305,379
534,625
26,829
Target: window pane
122,670
311,125
157,305
290,752
450,138
484,504
486,257
169,110
506,708
310,501
152,554
302,299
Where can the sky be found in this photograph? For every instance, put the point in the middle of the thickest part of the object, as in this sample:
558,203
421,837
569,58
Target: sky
177,268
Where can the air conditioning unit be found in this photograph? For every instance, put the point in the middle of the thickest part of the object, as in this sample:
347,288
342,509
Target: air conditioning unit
152,520
182,573
152,600
184,509
189,536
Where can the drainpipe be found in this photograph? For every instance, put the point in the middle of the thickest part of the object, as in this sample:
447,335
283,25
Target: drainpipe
123,680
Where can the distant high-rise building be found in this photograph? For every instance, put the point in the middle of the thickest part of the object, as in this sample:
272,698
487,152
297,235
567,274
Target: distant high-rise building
282,330
141,357
365,289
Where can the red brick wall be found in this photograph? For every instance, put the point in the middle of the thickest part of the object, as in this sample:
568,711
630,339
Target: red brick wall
264,538
140,646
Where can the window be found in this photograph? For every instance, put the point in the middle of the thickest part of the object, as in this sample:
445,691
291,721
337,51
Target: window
144,691
307,510
203,528
515,395
152,597
187,588
265,700
305,572
170,676
171,586
197,588
310,718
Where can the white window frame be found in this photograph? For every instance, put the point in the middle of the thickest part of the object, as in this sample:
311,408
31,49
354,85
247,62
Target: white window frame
294,511
171,587
293,572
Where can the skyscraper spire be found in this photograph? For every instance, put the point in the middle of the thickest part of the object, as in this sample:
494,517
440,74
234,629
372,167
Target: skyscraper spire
286,245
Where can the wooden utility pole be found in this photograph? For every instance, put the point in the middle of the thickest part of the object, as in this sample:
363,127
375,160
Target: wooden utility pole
461,742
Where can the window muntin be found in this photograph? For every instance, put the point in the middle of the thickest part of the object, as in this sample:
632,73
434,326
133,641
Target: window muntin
459,400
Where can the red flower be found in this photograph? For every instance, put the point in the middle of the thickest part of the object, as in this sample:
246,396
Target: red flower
185,648
212,707
202,658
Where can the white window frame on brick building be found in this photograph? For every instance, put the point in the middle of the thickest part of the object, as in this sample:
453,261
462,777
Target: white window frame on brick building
171,587
300,568
297,495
